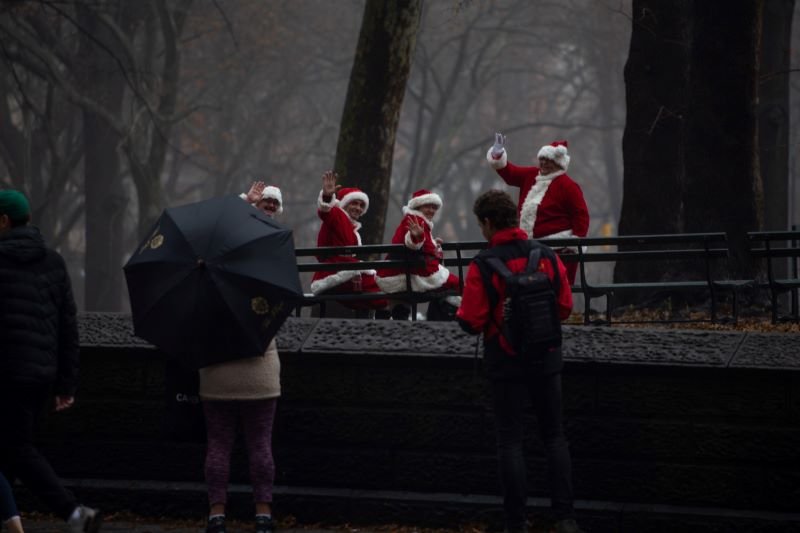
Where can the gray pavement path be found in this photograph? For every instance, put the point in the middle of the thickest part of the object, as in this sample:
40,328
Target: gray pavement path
39,525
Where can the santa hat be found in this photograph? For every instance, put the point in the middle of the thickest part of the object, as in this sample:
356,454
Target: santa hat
348,194
424,197
556,151
270,191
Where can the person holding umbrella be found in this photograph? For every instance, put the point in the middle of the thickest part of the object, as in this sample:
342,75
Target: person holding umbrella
211,285
246,391
340,210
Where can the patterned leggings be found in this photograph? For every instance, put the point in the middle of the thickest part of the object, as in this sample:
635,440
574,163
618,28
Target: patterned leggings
257,417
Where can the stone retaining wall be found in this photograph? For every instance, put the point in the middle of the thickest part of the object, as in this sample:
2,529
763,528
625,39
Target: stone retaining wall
683,418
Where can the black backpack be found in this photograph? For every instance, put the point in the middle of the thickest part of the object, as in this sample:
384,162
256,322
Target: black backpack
530,315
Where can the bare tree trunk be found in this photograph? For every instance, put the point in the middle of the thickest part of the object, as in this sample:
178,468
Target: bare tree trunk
105,199
723,186
372,108
607,91
146,169
653,142
691,141
773,111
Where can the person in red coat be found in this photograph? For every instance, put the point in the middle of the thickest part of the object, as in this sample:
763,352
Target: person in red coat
415,232
515,380
340,211
551,204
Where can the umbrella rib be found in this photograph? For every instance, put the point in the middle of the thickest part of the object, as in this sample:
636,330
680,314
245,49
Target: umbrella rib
164,294
228,304
288,292
213,232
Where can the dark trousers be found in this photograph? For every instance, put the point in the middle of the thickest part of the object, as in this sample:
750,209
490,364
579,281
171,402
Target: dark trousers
8,507
19,409
510,400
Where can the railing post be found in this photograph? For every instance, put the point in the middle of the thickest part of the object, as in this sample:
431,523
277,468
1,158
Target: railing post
709,280
795,261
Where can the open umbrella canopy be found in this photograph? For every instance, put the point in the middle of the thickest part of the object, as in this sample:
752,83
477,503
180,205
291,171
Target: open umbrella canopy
213,281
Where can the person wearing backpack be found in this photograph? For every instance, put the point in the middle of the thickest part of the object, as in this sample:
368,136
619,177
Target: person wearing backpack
518,310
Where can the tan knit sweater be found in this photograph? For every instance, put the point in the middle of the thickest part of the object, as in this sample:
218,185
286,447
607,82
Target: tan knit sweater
253,378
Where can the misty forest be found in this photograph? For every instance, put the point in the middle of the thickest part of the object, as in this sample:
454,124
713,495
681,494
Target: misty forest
677,113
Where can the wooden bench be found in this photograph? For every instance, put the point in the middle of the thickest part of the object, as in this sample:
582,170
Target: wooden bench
407,259
772,247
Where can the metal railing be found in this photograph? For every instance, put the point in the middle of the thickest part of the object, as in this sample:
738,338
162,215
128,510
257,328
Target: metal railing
708,248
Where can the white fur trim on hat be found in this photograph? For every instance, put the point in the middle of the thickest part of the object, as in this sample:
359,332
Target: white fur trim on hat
497,164
356,195
558,154
425,199
270,191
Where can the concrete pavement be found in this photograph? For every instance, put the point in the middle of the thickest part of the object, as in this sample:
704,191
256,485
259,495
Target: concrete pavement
48,525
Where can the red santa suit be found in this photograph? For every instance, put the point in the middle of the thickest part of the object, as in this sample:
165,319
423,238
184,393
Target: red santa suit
338,229
433,276
549,205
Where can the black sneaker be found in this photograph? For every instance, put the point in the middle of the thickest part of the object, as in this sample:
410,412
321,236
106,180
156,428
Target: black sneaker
216,525
264,524
88,520
401,312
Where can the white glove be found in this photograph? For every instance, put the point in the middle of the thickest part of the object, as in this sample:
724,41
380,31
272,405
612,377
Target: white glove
499,146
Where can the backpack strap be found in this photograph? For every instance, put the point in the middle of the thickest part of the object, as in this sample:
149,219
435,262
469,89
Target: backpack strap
488,262
551,255
533,260
482,262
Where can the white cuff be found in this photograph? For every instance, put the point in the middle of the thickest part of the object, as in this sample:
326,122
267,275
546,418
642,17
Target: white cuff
323,206
409,241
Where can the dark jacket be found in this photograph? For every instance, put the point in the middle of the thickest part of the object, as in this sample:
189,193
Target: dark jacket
38,326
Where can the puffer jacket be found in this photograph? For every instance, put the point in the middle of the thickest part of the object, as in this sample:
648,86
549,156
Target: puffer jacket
38,326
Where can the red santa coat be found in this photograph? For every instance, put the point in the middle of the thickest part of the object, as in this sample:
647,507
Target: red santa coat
430,277
337,229
474,313
549,206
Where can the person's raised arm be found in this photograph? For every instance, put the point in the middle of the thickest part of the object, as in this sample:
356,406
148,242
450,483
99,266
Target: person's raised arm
498,160
254,194
415,236
328,192
499,147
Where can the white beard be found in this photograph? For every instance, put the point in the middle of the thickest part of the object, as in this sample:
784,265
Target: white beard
527,215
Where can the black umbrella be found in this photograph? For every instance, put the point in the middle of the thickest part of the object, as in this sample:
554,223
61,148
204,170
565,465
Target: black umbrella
213,281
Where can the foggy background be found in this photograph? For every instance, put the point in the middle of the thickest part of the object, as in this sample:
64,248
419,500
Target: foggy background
263,85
